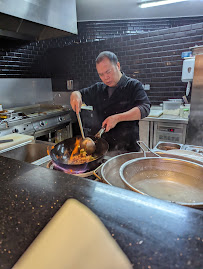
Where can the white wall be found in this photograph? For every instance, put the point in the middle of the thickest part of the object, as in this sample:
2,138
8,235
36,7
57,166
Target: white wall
93,10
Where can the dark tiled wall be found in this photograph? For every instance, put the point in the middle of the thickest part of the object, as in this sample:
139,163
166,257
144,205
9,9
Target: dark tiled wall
20,59
154,58
27,59
150,56
89,31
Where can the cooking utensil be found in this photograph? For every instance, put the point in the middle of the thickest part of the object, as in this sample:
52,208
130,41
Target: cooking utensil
61,153
110,171
185,99
6,140
87,143
100,132
170,179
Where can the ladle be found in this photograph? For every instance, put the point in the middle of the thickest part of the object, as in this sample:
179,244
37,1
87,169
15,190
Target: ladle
87,143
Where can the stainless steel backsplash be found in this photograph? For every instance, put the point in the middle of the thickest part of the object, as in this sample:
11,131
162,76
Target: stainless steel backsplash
15,92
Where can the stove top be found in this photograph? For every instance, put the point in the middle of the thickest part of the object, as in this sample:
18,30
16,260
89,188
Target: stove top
12,116
87,174
34,122
93,174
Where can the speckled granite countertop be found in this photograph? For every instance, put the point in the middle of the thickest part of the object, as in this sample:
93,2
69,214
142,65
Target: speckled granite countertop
153,233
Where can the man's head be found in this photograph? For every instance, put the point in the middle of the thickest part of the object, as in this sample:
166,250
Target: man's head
108,68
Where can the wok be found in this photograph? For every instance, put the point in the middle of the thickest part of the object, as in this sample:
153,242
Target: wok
61,153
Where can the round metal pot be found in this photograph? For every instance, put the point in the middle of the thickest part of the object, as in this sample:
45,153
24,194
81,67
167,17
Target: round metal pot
170,179
110,172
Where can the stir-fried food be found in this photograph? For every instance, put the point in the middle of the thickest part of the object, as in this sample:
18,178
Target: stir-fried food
81,157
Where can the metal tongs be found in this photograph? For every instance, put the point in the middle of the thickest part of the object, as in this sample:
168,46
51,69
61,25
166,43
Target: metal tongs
101,131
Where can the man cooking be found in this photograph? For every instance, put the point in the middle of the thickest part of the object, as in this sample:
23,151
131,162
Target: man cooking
119,102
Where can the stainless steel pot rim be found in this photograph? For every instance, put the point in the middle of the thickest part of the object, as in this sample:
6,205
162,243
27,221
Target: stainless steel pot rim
131,153
110,160
110,172
123,166
200,205
162,158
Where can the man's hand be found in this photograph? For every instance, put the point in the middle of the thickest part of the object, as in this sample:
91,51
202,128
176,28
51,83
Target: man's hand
76,101
110,122
130,115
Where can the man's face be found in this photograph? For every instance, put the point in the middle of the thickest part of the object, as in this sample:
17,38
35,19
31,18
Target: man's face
109,73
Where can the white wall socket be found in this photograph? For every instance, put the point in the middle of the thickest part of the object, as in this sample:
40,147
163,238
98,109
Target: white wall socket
146,87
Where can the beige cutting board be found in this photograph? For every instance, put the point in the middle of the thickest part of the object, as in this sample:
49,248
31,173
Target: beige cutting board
75,238
155,113
17,139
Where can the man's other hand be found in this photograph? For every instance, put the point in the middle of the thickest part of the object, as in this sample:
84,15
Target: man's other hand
110,122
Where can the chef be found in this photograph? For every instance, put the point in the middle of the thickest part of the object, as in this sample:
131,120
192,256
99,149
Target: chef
119,102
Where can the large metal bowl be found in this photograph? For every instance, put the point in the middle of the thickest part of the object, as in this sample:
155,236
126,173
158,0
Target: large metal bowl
110,172
170,179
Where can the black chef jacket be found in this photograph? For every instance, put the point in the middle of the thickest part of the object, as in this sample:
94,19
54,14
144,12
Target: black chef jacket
129,93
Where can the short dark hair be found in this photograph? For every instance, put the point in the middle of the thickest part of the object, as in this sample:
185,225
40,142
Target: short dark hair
107,54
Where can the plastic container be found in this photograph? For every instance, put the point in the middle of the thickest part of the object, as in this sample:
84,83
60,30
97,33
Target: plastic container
176,100
171,108
185,111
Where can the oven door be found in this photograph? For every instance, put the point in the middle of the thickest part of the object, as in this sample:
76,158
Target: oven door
169,132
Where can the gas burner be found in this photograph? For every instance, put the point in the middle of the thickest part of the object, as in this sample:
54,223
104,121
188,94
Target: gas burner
12,116
53,166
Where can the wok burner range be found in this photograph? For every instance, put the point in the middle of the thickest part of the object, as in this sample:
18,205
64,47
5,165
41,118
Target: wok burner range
11,116
87,174
37,120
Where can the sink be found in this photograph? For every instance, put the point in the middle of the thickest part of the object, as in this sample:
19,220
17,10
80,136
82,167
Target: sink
29,153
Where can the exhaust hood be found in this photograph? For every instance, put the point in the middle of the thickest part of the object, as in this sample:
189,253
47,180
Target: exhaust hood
36,19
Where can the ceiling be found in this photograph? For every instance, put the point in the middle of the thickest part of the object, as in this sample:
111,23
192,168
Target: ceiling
97,10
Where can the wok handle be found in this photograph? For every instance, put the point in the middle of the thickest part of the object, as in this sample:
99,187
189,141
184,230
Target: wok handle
139,142
101,131
80,124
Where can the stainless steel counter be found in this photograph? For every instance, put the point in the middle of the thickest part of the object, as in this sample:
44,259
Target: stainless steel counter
167,118
34,152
